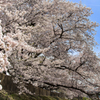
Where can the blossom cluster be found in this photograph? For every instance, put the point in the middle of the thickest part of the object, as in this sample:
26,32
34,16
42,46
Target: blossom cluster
7,44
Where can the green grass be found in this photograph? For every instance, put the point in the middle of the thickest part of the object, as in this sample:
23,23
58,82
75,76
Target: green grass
4,95
84,98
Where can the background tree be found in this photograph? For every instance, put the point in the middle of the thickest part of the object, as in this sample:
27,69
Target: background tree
48,33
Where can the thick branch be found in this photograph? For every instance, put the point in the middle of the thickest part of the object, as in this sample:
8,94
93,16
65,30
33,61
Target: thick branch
71,87
80,65
64,67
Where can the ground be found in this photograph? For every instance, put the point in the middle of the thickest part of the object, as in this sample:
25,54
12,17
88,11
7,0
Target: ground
4,95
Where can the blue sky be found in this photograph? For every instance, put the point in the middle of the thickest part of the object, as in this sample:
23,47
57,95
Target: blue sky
95,17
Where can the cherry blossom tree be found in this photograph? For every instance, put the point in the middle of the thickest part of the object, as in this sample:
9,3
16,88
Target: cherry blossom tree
50,45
